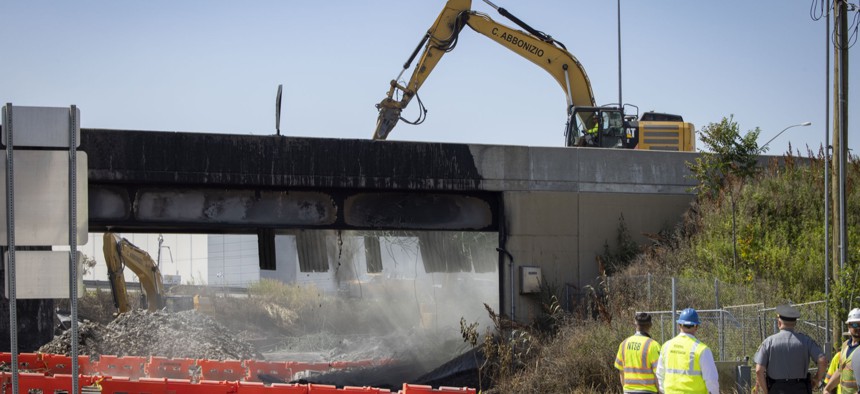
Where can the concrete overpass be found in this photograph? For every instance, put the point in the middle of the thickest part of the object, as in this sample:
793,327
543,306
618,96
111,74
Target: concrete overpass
553,208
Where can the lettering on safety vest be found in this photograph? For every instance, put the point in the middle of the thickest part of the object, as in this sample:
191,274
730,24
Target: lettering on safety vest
634,346
518,42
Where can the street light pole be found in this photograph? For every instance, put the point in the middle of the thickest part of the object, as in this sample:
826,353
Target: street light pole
783,131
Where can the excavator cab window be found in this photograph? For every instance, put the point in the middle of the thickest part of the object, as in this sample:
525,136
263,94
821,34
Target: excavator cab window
597,127
613,124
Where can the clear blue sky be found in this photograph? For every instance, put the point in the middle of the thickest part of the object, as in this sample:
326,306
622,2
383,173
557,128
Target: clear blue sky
214,66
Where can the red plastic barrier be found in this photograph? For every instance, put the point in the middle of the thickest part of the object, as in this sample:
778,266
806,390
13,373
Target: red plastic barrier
297,366
421,389
129,366
184,386
277,369
62,364
444,389
173,368
323,389
37,382
121,384
228,370
32,362
369,390
276,388
164,386
58,363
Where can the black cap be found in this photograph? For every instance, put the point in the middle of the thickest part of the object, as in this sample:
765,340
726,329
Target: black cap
787,312
642,318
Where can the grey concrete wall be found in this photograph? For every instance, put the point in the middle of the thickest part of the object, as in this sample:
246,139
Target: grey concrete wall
561,206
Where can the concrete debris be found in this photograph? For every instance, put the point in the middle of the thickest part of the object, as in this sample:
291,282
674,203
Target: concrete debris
186,334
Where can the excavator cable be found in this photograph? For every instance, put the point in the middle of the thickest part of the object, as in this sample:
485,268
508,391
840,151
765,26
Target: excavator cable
449,44
422,112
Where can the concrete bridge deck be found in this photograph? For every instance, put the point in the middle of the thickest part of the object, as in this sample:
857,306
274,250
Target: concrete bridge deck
554,208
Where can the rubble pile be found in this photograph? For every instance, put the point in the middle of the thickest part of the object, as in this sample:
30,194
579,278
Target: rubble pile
186,334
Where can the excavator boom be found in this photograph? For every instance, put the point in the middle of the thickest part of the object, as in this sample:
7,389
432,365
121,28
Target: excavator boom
588,125
442,38
119,253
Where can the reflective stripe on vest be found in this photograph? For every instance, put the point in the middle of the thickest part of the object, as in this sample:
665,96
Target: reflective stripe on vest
634,362
847,380
683,365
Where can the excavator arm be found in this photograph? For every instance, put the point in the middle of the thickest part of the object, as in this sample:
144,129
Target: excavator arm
119,253
442,37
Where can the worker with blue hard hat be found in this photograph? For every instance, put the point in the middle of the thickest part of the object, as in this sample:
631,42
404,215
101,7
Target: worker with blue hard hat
782,360
686,365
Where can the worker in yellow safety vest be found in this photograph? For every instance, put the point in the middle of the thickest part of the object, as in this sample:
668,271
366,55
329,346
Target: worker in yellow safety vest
594,128
637,357
686,365
831,370
845,377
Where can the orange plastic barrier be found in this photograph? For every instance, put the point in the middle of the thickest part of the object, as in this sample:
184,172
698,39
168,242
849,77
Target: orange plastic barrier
369,390
37,382
62,364
164,386
184,386
357,363
421,389
276,388
32,362
297,366
127,375
173,368
443,389
128,366
277,369
228,370
123,384
323,389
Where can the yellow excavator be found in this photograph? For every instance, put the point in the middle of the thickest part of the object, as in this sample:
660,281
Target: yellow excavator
120,253
587,123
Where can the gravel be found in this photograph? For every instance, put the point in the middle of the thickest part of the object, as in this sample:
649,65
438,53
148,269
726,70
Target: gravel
186,334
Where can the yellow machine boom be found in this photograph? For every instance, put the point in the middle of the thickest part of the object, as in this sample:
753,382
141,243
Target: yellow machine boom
442,37
587,125
119,253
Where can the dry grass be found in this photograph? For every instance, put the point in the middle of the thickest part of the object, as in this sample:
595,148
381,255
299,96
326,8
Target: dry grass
577,360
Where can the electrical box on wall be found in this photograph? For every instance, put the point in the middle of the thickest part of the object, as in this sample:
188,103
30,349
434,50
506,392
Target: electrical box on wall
530,279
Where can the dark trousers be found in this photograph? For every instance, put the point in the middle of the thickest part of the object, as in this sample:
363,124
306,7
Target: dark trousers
791,387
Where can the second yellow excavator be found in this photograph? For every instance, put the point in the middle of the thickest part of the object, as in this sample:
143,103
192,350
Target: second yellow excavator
120,253
587,123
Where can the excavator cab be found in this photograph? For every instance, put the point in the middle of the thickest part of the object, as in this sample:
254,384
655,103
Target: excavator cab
601,127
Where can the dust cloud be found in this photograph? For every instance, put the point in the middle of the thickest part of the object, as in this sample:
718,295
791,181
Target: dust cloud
399,298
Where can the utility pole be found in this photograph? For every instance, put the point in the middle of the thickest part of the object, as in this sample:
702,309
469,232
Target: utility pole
840,147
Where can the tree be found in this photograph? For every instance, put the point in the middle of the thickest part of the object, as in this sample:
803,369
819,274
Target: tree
731,159
87,264
727,154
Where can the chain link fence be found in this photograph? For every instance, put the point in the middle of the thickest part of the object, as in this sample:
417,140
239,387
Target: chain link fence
735,319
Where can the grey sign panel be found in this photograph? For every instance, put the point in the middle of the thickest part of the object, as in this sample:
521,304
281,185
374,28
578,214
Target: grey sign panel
42,198
40,126
42,274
